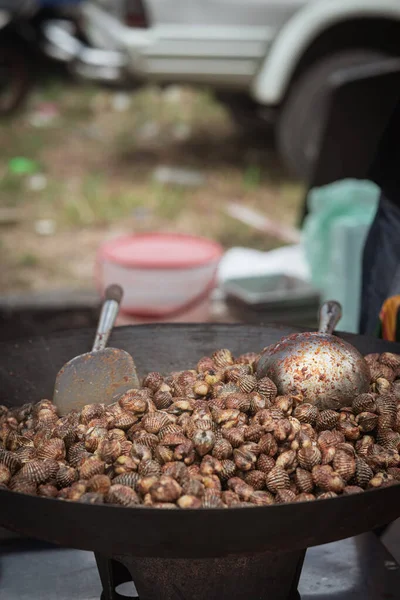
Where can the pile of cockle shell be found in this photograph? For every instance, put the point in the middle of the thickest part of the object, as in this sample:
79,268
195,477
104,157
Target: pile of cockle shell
211,437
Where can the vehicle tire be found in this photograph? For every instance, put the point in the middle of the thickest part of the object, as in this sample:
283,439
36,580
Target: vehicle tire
14,77
300,123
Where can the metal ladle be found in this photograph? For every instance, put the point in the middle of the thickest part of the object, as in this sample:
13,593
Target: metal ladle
318,367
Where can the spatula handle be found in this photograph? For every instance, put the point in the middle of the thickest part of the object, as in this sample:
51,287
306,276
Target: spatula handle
329,316
109,312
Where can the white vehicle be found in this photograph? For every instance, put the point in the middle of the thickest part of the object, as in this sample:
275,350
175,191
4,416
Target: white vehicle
264,58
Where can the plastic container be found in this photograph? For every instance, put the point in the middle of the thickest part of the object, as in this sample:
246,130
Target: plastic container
164,276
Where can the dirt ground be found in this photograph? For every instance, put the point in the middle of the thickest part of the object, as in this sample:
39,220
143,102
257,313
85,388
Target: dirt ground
94,158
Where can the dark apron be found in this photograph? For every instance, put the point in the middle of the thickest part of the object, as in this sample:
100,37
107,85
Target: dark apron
381,260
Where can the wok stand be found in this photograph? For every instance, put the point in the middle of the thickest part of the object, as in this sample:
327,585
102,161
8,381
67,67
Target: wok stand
268,575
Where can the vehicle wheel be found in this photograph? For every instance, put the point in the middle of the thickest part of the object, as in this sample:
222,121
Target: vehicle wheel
301,120
14,78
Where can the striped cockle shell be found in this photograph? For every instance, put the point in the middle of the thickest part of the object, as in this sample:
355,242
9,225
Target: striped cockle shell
222,449
39,471
238,401
244,459
382,386
134,401
149,440
125,464
125,420
378,370
93,437
367,421
258,402
170,428
203,441
76,454
390,359
364,403
309,457
10,460
285,404
193,487
122,495
91,466
267,388
223,358
327,419
116,434
153,381
163,454
277,479
178,471
234,372
108,450
91,411
268,444
365,445
262,498
350,430
285,496
265,463
149,467
247,383
287,460
54,448
130,479
253,433
344,464
66,476
166,489
212,499
99,483
327,479
304,480
144,484
228,469
388,439
387,411
282,430
255,478
306,413
162,399
241,488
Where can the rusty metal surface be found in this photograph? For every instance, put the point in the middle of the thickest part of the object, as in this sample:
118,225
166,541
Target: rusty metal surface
320,368
94,377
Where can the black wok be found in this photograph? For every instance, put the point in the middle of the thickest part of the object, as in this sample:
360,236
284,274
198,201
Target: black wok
27,373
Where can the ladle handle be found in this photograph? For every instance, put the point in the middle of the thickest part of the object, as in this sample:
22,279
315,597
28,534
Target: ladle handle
329,316
109,312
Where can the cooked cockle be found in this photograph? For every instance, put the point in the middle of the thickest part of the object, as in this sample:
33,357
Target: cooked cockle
210,437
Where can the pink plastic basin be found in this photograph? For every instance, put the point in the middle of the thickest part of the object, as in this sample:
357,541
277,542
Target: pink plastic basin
162,274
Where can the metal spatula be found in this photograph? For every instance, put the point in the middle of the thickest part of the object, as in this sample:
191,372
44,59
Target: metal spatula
101,375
